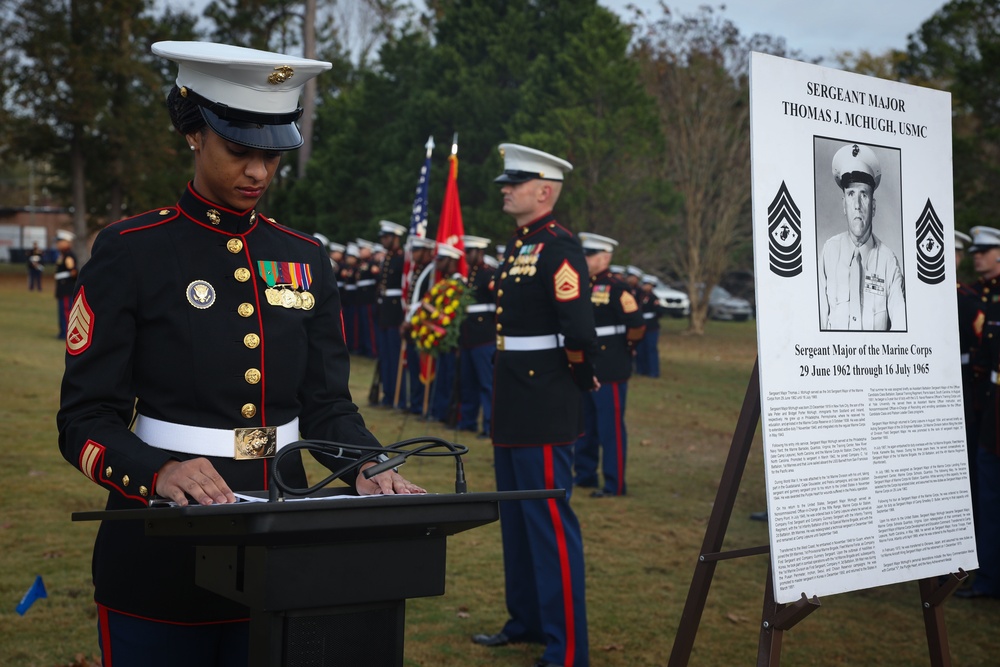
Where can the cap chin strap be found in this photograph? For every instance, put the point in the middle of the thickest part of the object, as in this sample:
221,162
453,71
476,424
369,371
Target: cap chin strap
225,112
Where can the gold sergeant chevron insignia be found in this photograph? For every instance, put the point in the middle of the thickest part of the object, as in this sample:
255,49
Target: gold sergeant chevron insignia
628,303
80,325
567,282
90,459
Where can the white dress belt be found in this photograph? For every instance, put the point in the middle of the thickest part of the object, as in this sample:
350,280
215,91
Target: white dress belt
393,292
481,308
351,288
994,378
367,282
201,440
610,330
648,316
63,275
966,358
529,343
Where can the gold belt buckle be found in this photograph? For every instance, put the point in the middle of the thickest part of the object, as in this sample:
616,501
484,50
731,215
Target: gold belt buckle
258,442
500,343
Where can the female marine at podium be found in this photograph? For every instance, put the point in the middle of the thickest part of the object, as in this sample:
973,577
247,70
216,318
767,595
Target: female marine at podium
220,331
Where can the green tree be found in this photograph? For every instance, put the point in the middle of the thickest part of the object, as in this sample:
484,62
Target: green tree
958,49
696,68
486,69
586,102
87,100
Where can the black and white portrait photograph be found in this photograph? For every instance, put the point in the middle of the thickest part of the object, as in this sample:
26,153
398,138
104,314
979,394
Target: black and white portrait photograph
859,236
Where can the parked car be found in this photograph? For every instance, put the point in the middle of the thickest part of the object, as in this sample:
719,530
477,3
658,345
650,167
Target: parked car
673,302
724,306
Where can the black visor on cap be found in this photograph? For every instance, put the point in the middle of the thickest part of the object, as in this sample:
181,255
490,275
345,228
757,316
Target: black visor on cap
283,137
516,176
857,177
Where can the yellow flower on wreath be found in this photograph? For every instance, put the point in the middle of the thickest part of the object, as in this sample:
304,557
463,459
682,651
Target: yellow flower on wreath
437,322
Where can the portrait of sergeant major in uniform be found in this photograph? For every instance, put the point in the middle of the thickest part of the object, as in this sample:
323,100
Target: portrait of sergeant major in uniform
860,278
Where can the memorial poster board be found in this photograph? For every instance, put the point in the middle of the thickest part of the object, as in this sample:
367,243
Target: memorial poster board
860,376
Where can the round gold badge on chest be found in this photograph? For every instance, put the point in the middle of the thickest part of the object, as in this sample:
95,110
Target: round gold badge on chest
200,294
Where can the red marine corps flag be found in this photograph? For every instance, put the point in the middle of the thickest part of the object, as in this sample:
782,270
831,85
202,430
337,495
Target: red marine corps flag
450,227
450,231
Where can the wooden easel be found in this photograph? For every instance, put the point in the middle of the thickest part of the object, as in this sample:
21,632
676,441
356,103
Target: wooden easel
776,618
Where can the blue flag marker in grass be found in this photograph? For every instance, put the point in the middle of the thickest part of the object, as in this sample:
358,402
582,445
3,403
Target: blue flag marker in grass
36,591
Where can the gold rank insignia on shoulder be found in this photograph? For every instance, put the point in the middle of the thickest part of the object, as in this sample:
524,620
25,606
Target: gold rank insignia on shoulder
201,294
628,303
566,282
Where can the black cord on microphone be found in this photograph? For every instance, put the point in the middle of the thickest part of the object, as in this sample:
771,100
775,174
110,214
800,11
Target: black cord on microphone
360,454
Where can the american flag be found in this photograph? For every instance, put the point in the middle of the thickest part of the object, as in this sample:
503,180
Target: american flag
418,217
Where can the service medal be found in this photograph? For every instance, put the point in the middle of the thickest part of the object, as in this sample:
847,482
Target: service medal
308,301
288,298
273,295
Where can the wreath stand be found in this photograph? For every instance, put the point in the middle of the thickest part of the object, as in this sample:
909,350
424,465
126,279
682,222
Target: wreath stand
777,618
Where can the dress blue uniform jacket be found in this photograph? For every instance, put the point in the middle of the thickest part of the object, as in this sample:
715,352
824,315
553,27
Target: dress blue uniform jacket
542,290
479,328
615,306
390,308
224,360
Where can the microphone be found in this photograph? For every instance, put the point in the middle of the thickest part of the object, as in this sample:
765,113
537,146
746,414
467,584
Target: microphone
360,454
425,443
354,455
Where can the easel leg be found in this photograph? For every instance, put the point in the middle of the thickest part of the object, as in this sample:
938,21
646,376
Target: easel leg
775,619
769,644
932,597
715,533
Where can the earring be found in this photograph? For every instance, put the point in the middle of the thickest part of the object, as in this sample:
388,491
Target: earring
191,147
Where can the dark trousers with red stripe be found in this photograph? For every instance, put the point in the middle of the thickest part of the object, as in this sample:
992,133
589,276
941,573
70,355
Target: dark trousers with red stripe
604,437
367,346
350,317
389,342
129,640
543,554
416,387
63,304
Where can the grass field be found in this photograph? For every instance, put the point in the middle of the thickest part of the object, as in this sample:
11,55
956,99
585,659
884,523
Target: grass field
640,549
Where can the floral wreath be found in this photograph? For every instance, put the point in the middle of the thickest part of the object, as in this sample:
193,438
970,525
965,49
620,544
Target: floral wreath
437,321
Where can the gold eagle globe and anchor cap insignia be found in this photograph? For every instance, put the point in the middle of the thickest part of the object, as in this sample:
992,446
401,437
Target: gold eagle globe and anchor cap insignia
280,74
247,96
200,294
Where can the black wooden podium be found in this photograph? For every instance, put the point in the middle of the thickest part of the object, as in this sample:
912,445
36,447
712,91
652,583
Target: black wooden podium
326,580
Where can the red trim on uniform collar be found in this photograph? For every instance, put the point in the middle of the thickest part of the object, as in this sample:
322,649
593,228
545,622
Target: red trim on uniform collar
221,219
535,226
